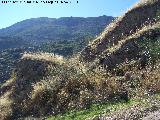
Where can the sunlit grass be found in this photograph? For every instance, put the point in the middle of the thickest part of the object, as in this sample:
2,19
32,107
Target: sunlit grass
95,110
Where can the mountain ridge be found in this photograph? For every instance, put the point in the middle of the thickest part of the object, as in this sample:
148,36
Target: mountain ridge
32,30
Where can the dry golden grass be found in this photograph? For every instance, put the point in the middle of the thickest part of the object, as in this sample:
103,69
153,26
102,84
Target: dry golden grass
44,57
5,106
37,88
133,37
73,88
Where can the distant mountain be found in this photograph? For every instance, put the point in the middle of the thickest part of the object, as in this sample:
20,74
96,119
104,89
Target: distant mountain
40,30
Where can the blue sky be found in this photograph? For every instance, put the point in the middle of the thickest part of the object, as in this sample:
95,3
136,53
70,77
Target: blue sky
11,13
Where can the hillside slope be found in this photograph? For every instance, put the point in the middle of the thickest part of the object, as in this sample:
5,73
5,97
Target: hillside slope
114,67
11,42
143,14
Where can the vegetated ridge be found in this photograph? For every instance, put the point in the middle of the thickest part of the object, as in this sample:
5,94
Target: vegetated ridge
123,63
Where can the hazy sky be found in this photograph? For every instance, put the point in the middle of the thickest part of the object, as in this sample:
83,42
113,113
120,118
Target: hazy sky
11,13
